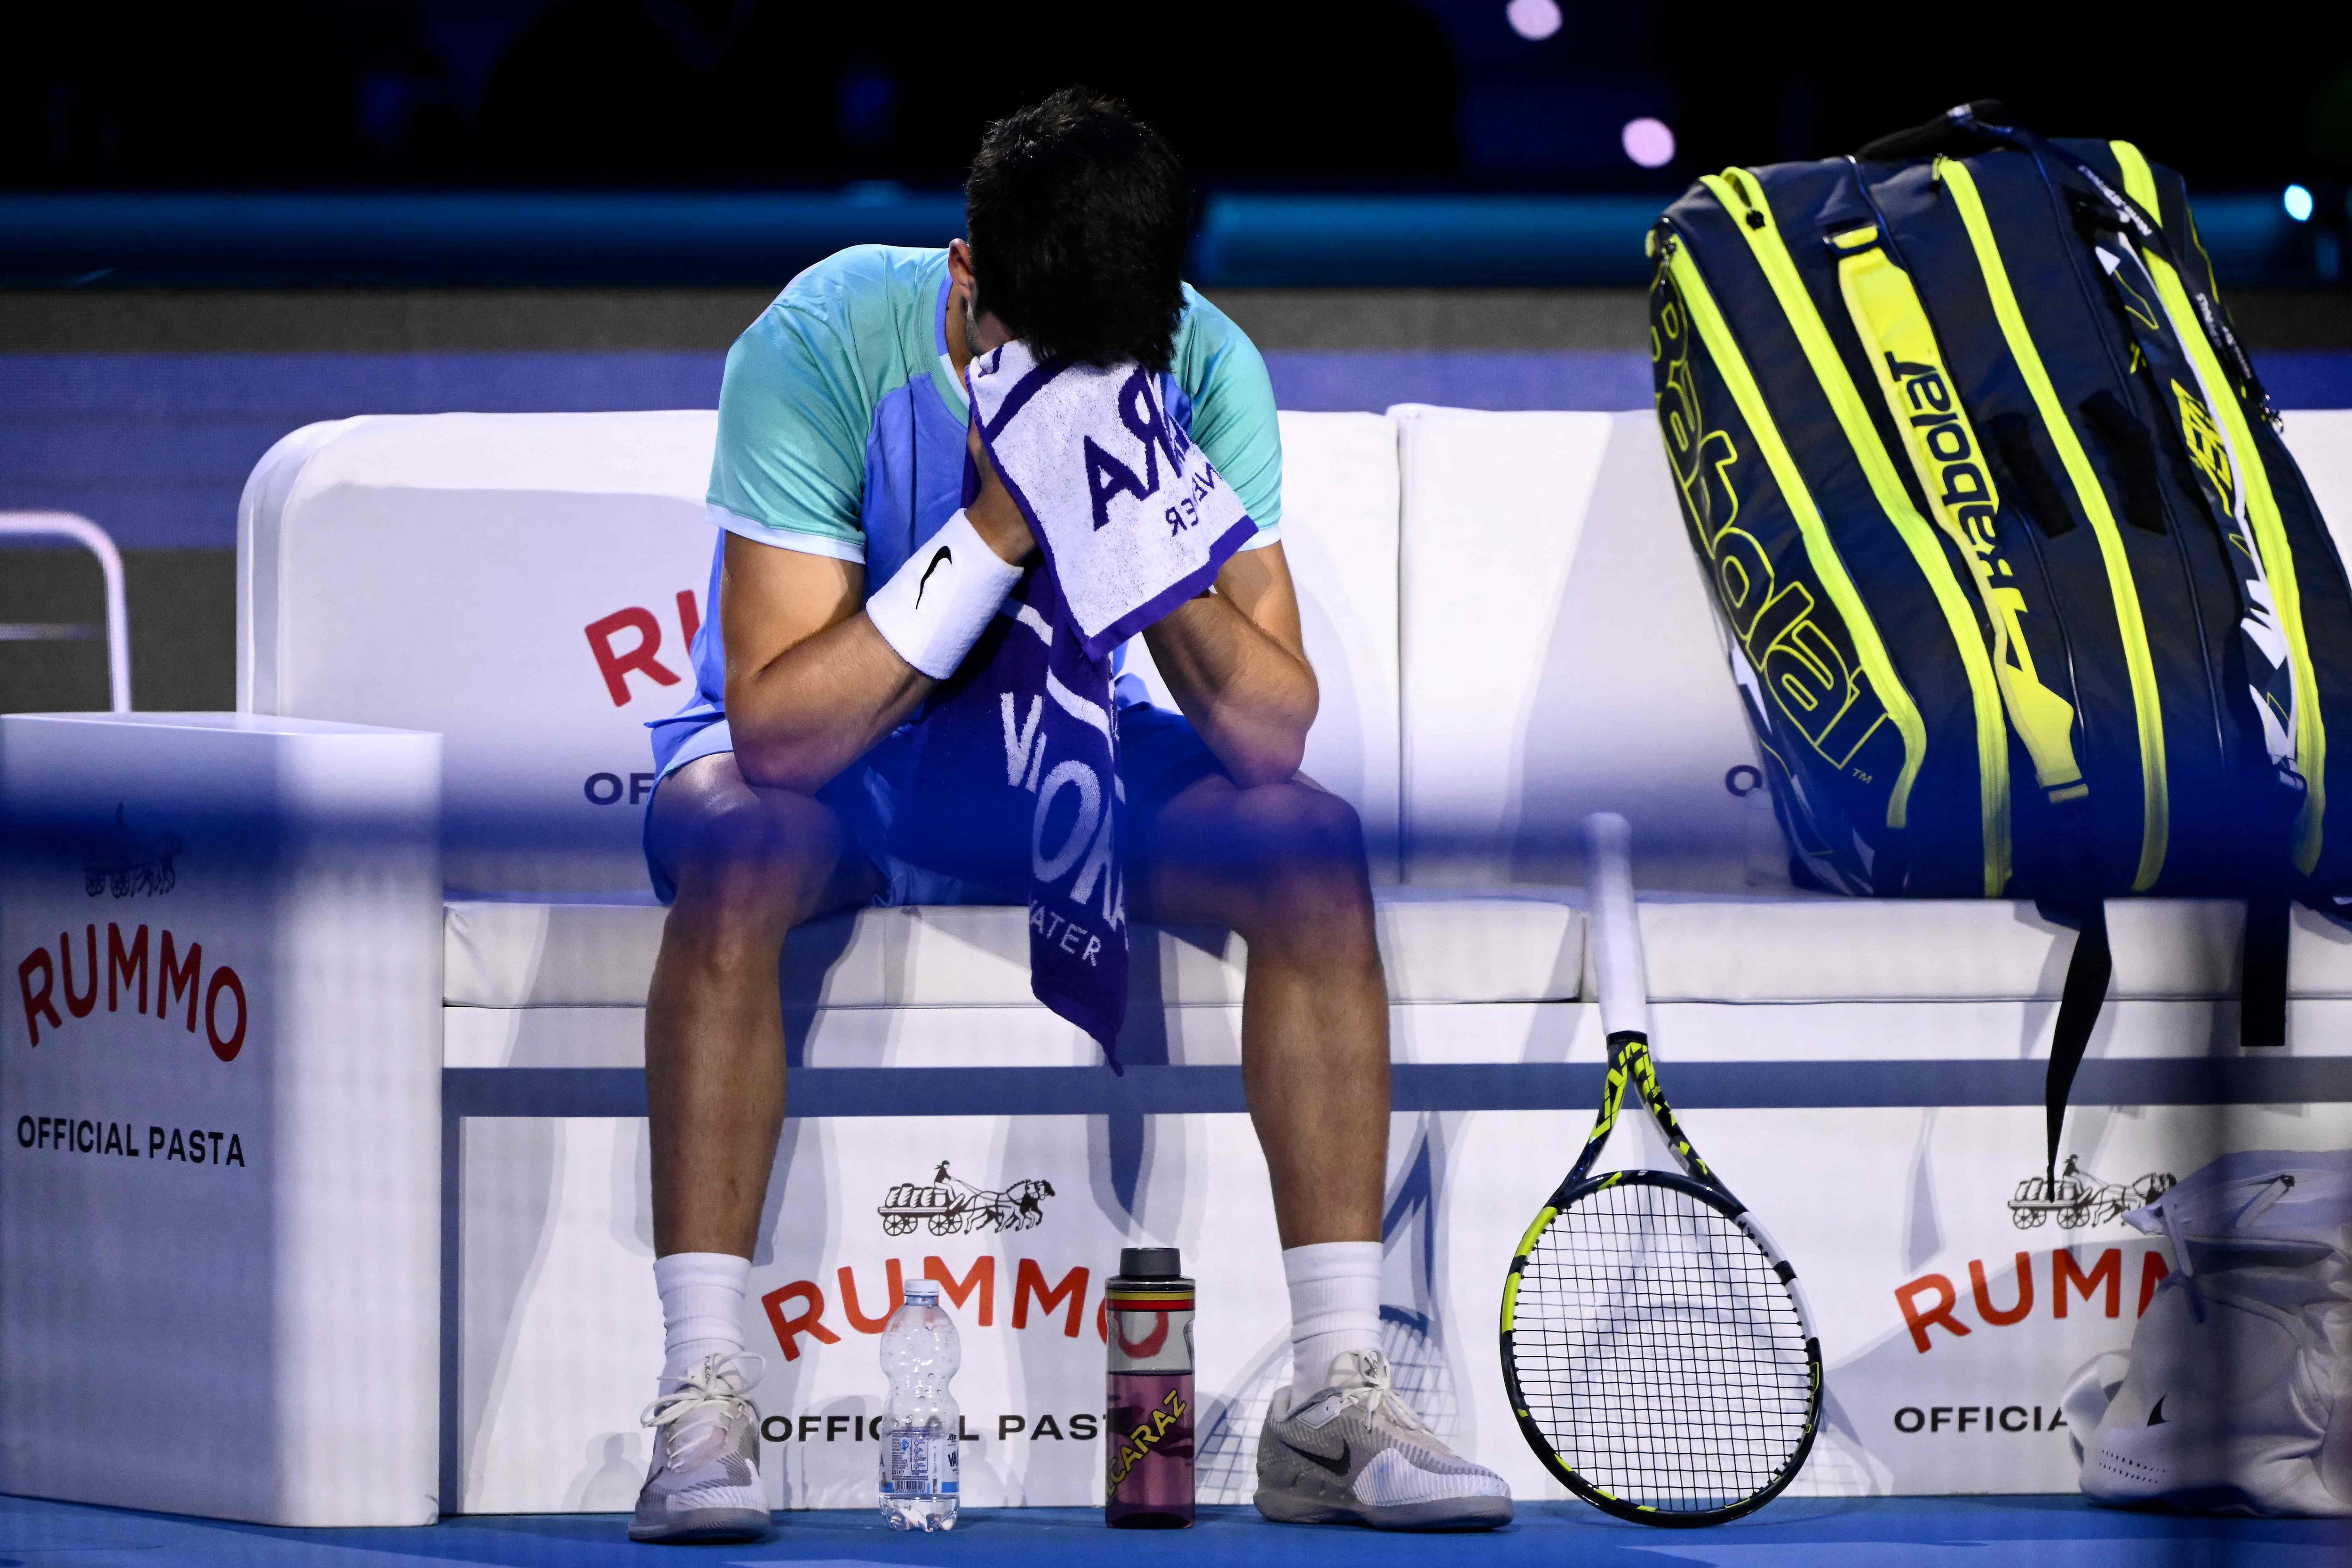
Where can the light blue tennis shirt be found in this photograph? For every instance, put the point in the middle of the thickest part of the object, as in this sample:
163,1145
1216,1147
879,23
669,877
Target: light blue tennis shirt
841,433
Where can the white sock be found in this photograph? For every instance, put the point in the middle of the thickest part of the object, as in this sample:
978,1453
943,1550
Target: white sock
1335,1307
702,1309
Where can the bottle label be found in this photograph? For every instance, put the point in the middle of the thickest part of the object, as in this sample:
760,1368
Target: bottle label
1150,1333
918,1466
1149,1441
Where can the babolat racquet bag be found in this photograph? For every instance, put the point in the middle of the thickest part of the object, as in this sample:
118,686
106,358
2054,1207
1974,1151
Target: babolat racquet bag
2024,595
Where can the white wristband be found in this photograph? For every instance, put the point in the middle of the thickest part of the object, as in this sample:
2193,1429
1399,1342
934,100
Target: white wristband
935,606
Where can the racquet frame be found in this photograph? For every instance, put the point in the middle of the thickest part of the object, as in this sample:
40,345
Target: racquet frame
1624,1000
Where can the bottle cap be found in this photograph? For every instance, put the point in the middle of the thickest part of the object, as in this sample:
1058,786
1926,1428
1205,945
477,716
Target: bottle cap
1150,1263
924,1291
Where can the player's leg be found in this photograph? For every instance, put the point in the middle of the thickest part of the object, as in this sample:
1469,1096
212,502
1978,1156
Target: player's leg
748,864
1284,865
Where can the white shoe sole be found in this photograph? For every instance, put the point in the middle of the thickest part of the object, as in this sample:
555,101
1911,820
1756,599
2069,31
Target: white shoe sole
705,1526
1442,1513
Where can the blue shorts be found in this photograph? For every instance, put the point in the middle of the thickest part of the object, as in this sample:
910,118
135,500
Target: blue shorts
1159,754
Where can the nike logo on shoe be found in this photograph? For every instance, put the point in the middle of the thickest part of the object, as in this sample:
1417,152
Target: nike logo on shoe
1338,1467
2155,1417
947,557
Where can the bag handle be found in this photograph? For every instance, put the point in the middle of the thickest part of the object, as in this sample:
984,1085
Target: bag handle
2132,450
2013,440
1953,131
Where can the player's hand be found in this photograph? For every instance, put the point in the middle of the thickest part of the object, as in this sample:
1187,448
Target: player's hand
995,516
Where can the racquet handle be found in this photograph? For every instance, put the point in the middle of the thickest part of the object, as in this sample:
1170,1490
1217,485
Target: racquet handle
1619,978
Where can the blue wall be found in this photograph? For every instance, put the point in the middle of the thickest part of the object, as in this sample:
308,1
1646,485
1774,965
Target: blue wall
156,447
1258,240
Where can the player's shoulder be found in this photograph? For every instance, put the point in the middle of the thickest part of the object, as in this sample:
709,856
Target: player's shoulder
1209,343
867,309
864,279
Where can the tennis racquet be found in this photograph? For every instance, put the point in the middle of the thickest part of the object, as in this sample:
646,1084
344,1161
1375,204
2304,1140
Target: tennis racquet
1655,1350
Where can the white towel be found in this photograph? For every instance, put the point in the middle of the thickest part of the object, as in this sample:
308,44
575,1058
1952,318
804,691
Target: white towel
1021,745
1132,517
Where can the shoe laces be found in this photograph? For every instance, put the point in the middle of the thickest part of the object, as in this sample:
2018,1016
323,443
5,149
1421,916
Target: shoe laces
718,1385
1377,1396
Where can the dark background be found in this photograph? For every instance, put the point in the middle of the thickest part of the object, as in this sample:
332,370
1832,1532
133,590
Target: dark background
1381,93
139,383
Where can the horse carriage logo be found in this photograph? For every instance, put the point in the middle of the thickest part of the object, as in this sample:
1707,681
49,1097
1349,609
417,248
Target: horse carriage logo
122,862
2076,1198
952,1206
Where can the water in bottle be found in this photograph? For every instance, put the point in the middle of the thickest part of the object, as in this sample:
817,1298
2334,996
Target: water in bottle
1148,1440
919,1354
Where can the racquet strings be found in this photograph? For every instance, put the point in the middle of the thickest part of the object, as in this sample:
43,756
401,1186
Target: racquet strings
1658,1352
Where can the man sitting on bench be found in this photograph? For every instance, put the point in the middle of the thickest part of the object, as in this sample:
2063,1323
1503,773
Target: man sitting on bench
842,448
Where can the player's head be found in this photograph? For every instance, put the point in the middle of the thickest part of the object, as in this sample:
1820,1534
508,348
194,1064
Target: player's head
1077,213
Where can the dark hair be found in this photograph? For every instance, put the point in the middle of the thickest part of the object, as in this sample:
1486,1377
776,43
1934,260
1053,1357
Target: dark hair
1077,213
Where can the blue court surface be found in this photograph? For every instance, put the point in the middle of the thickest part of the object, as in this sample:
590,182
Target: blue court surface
1999,1533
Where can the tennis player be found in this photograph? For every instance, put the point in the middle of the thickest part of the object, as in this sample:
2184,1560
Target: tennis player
841,446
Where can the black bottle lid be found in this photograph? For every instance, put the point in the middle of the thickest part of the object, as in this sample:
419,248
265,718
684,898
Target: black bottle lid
1150,1263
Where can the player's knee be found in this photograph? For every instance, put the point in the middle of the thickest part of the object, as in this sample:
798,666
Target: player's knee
1303,873
1304,830
756,856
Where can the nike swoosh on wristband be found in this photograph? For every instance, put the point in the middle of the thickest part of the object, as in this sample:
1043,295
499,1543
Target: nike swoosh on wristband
1338,1467
946,555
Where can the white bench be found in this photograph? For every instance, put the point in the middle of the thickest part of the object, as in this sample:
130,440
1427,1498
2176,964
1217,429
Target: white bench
1509,631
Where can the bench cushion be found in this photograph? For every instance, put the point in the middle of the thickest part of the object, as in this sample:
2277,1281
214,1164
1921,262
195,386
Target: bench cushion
1795,948
579,952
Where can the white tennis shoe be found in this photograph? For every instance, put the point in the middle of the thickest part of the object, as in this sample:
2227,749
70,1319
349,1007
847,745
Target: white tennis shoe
1356,1453
704,1482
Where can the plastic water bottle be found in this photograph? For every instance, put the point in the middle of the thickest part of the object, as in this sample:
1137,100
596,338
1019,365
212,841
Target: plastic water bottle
920,1466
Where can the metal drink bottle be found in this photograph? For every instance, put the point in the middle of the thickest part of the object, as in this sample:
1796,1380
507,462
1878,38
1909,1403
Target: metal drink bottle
1148,1435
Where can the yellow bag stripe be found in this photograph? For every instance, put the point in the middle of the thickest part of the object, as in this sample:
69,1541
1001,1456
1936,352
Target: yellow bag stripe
1716,333
1780,271
2155,795
2262,510
1920,398
2139,183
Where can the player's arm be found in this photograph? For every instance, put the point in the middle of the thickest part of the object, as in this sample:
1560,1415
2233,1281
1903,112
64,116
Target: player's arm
1235,663
1233,659
812,682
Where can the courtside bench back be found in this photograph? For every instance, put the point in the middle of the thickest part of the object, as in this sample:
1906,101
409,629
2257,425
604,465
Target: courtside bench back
1507,625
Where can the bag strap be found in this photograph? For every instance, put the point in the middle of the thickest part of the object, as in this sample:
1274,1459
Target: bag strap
2261,972
2079,1004
2261,992
1992,123
1966,127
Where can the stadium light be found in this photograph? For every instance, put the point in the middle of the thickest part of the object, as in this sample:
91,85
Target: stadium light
1533,20
2298,203
1649,142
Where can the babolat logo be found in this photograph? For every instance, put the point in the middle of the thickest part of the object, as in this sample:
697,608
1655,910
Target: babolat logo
1796,645
1943,435
1966,505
